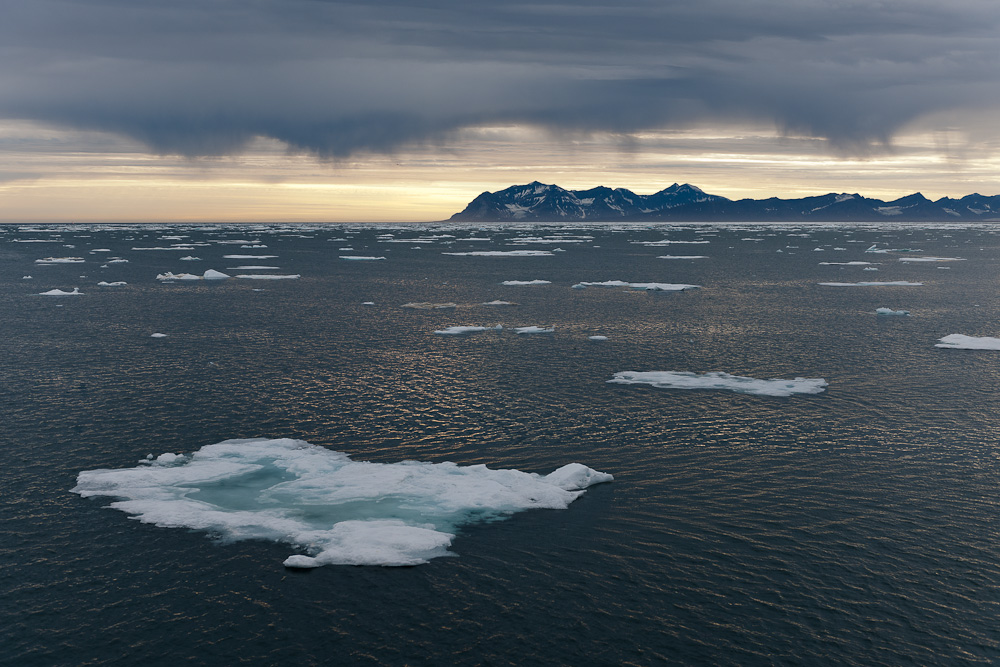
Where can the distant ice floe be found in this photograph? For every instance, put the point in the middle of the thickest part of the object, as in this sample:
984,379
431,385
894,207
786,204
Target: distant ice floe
962,342
654,244
890,311
158,335
249,256
117,260
741,385
526,282
117,283
338,511
502,253
650,287
498,302
533,330
60,260
26,278
251,268
190,258
888,283
211,274
682,257
268,276
185,247
597,338
358,258
931,259
458,331
845,263
58,292
427,305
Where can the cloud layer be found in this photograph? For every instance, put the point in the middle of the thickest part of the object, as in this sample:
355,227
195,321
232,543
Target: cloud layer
199,78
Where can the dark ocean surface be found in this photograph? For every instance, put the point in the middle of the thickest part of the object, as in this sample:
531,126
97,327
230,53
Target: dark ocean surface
857,526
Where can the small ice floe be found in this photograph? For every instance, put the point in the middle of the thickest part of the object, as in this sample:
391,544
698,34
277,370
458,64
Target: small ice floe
513,283
26,278
58,292
649,287
887,283
739,384
158,335
962,342
249,256
498,302
869,268
427,305
845,263
333,510
367,303
819,250
533,330
60,260
211,274
358,258
598,338
458,331
253,245
890,311
185,247
501,253
682,257
931,259
117,260
117,283
190,258
654,244
345,249
101,250
252,267
268,276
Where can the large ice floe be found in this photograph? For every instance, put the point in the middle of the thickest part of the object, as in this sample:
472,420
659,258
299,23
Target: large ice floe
963,342
337,511
739,384
649,287
501,253
58,292
211,274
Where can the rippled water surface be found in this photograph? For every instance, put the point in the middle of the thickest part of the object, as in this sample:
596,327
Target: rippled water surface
856,526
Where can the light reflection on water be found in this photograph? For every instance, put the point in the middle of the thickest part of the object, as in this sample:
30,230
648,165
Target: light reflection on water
856,526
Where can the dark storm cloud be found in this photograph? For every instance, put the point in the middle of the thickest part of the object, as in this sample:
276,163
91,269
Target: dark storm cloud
205,77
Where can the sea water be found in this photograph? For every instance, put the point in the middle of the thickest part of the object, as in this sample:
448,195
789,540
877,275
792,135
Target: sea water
850,519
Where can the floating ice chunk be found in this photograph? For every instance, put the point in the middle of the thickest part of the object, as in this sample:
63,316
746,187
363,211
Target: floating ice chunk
101,250
597,338
890,311
526,282
337,510
60,260
210,274
457,331
249,256
158,335
185,247
426,305
268,276
869,268
682,257
357,258
58,292
651,287
498,302
654,244
888,283
251,267
931,259
962,342
26,278
117,260
533,330
117,283
190,258
845,263
501,253
367,303
742,385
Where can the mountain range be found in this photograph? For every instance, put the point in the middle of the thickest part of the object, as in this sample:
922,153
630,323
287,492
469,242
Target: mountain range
538,202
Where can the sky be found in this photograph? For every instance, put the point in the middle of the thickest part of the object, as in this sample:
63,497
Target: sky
319,110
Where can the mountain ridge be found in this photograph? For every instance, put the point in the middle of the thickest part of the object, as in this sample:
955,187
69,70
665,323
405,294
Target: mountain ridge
541,202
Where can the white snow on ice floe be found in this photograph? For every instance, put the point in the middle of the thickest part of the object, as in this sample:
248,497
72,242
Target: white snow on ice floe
458,331
526,282
888,283
650,287
890,311
336,510
268,276
741,385
211,274
58,292
357,258
501,253
60,260
533,330
962,342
